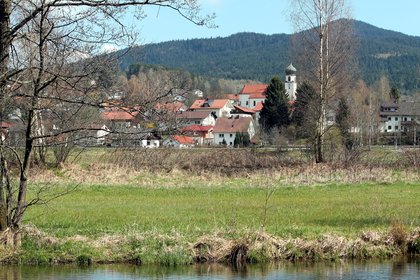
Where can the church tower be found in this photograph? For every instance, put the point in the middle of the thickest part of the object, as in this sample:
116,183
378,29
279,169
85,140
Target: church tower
291,84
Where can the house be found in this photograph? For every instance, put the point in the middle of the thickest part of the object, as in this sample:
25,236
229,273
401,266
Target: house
205,118
251,95
198,93
92,135
120,118
201,134
150,141
220,107
227,128
179,141
239,110
133,137
400,117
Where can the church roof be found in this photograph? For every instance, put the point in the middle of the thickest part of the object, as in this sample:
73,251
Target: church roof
254,90
290,69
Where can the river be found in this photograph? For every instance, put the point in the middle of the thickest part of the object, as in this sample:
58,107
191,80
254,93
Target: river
401,270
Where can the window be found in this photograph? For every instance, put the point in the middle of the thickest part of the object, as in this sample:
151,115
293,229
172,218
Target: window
197,122
396,118
396,127
389,118
221,135
255,103
247,103
230,143
289,78
405,118
231,135
389,127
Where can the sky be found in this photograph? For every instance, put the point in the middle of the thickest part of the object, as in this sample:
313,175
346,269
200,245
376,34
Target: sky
268,17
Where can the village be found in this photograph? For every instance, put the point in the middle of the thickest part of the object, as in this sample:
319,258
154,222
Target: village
232,121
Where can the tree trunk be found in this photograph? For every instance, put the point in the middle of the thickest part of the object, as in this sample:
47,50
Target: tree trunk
23,180
4,48
5,8
320,126
318,149
3,207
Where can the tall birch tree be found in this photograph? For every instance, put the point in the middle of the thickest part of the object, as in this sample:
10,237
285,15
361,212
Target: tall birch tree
323,46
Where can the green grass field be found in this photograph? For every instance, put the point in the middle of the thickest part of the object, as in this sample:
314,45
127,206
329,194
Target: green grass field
204,208
155,206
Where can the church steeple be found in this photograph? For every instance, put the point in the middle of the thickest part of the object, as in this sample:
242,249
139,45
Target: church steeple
290,84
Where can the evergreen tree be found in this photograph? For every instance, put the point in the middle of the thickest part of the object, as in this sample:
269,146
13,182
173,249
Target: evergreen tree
342,121
242,140
394,94
275,112
305,110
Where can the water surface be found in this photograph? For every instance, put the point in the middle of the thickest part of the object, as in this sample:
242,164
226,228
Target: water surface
401,270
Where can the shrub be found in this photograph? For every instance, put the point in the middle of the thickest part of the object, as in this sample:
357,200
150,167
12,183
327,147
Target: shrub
398,233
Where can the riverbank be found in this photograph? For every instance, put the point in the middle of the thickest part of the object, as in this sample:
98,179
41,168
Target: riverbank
39,248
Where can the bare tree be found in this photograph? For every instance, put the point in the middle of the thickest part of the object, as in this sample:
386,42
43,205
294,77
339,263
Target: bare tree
323,45
51,62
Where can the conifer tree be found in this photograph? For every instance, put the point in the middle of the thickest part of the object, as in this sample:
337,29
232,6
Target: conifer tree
342,120
394,94
275,112
305,110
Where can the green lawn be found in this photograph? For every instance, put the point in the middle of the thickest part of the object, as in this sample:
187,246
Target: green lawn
198,209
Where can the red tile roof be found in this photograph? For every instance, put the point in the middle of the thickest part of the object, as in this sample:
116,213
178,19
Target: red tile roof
254,91
182,139
198,128
232,124
119,115
209,104
244,109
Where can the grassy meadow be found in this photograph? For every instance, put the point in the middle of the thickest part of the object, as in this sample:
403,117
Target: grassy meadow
307,211
156,206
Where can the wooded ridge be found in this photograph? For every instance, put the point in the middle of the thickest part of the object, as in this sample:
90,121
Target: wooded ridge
255,56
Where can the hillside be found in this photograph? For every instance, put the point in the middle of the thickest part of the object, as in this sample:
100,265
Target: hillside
259,57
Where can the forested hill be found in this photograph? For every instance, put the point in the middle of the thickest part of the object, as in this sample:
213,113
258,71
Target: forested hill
259,57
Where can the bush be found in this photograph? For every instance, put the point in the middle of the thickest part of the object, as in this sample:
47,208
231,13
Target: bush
398,233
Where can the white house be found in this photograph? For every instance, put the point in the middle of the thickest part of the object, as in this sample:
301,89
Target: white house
226,129
205,118
220,107
399,117
101,135
201,134
179,141
150,143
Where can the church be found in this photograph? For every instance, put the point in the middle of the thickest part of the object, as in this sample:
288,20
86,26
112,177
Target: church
252,95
